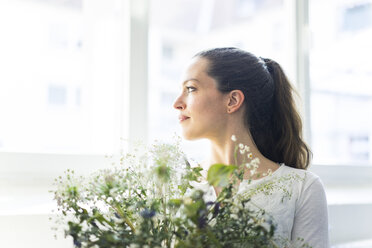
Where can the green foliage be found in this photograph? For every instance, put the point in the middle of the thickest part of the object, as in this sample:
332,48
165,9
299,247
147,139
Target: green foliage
220,174
147,201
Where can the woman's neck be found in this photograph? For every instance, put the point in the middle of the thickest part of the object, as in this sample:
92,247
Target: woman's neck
226,151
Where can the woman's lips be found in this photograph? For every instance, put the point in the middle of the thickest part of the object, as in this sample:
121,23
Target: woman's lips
182,118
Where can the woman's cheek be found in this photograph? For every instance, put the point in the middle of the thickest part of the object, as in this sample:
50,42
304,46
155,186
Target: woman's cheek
191,102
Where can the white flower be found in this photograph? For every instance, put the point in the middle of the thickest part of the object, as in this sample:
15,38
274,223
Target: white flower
234,216
187,200
255,162
246,148
213,222
241,146
268,173
233,138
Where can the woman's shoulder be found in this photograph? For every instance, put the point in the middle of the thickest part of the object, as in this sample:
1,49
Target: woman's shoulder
307,176
306,181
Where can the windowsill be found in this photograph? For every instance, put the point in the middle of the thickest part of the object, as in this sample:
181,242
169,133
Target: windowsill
38,200
358,244
28,192
338,195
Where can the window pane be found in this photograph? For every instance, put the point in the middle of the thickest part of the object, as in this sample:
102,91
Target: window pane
341,76
61,73
181,28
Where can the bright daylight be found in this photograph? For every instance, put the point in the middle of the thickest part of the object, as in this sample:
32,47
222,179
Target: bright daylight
185,123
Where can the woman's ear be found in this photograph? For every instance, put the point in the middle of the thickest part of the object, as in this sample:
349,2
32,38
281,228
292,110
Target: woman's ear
235,100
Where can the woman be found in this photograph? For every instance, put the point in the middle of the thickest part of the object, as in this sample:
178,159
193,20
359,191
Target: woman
228,92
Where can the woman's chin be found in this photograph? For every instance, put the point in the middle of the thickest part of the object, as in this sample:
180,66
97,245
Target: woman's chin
186,137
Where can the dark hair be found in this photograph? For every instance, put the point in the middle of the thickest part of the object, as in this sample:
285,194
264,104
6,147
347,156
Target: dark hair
271,114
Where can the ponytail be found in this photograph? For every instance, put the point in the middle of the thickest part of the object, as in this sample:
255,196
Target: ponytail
286,126
271,115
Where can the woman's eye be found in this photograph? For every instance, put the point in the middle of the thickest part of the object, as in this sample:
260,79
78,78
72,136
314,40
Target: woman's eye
190,89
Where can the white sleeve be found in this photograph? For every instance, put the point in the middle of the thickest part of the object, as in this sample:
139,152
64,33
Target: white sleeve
311,216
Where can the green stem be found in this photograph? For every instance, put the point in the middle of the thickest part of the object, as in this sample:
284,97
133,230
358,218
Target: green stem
164,201
105,220
126,220
236,155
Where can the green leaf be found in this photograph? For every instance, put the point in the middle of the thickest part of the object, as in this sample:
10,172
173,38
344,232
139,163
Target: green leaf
162,172
175,202
219,174
192,210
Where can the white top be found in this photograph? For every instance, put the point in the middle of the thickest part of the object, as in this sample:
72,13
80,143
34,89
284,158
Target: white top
296,202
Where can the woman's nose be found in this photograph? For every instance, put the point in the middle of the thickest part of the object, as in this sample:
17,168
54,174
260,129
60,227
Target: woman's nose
179,104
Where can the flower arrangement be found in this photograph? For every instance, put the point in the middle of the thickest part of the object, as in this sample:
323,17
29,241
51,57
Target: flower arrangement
147,200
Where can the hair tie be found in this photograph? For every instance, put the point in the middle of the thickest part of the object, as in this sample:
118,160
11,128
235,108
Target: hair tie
266,63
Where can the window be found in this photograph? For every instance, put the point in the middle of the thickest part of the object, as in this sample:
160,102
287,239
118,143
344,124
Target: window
57,95
62,73
340,74
357,17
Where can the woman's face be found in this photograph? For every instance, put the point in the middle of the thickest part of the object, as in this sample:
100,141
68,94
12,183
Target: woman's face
203,108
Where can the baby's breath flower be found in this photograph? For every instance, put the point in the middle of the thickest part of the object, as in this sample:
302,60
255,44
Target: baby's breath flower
255,162
234,216
136,196
241,148
187,200
213,222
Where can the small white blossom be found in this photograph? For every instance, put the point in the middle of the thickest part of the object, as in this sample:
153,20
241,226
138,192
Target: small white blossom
269,172
246,148
255,162
213,222
241,146
187,200
234,216
233,138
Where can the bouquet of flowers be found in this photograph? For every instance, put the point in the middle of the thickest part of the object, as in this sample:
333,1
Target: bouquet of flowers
147,200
